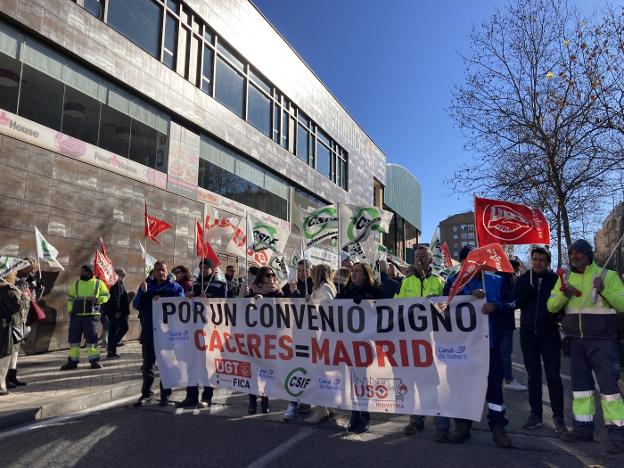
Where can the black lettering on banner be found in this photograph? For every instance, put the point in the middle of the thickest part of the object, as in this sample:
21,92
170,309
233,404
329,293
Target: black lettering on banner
248,320
359,311
340,319
266,315
298,314
283,315
184,310
386,312
438,318
327,318
217,314
198,312
230,314
423,323
400,318
312,317
168,309
472,316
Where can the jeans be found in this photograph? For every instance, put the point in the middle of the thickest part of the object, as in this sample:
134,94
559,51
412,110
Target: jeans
118,328
546,348
493,397
601,357
507,351
149,360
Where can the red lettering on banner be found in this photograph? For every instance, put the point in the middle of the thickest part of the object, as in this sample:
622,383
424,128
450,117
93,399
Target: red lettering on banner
428,358
320,353
341,355
387,353
358,347
404,354
253,345
215,342
200,343
227,344
239,337
285,343
269,346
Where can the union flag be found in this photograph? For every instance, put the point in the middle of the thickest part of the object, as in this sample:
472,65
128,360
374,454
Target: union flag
103,268
154,226
504,222
203,248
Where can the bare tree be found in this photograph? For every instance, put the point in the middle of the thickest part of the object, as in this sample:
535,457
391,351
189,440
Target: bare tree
529,107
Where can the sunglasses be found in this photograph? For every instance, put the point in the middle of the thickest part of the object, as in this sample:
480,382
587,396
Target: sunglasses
269,275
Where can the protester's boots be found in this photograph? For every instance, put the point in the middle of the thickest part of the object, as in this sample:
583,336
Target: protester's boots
363,425
461,432
12,381
206,397
95,365
500,437
354,422
253,404
70,365
264,405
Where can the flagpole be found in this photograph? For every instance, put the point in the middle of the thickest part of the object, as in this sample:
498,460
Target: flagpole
339,244
246,247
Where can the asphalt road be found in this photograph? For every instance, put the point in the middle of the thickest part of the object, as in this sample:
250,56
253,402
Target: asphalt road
225,435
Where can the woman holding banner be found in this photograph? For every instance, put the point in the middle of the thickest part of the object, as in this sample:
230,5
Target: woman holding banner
264,285
323,289
362,285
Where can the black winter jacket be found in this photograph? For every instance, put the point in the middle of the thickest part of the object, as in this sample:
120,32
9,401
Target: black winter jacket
531,299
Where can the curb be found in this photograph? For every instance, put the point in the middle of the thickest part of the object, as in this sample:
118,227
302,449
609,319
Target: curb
104,394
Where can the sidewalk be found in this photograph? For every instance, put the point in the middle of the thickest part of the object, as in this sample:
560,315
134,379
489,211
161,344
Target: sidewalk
52,392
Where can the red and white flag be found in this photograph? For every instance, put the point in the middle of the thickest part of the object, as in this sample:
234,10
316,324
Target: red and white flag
203,248
491,257
509,223
446,254
103,267
154,226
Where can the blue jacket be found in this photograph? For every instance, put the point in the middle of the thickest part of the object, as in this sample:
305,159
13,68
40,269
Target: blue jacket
496,292
143,303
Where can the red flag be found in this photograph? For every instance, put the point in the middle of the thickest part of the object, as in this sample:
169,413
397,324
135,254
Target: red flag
202,247
491,257
154,226
448,260
103,267
509,223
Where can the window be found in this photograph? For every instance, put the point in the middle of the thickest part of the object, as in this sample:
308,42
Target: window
471,235
81,116
229,87
464,235
277,119
471,227
303,144
228,173
259,110
39,88
95,7
114,131
454,236
322,159
206,80
454,228
10,69
138,20
171,37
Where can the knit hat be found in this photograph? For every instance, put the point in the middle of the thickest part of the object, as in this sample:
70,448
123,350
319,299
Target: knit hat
583,247
88,267
465,251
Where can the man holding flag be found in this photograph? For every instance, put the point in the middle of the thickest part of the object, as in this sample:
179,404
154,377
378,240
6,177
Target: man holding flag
473,280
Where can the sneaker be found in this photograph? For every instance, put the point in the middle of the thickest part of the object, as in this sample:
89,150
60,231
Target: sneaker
461,433
202,404
95,365
559,425
515,386
291,412
500,437
163,402
4,393
143,400
575,436
264,405
442,436
534,422
187,403
319,414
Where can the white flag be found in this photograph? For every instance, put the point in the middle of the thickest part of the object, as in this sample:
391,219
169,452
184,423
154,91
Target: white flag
238,246
9,264
266,236
319,225
148,260
46,251
359,223
436,249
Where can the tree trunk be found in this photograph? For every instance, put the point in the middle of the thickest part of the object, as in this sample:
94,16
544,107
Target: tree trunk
559,249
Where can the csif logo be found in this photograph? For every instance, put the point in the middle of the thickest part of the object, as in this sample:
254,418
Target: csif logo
296,382
265,237
362,223
320,221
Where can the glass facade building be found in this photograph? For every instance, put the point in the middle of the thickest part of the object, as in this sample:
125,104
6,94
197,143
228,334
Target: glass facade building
195,107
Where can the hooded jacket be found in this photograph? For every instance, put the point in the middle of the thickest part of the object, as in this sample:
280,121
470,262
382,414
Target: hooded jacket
143,303
531,298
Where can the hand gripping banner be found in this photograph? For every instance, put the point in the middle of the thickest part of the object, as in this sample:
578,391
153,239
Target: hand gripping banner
391,356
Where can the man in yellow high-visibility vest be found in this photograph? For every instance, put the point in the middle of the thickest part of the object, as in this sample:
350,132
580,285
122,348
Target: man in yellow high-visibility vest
592,297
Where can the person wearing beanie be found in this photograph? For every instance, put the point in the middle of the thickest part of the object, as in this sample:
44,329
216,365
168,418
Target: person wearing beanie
592,297
84,298
117,310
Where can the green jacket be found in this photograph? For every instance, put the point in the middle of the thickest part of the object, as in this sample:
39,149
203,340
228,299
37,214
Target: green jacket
88,295
583,318
414,286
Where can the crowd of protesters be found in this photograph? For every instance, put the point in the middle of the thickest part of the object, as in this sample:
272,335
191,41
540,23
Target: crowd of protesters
589,330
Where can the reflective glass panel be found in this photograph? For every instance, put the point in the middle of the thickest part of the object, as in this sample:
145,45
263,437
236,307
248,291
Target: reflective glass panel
229,87
114,131
41,98
139,21
81,116
259,110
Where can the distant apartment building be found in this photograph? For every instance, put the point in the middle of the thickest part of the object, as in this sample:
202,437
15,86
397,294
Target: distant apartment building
457,231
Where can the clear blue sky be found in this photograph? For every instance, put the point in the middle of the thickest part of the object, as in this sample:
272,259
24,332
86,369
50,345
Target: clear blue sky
393,65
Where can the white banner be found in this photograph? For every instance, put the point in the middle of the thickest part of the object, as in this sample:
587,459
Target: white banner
391,356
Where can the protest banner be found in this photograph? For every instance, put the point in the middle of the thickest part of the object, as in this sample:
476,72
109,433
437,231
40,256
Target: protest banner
392,356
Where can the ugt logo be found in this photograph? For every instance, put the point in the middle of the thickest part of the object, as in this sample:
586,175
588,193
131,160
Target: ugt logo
296,382
505,223
321,220
264,237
